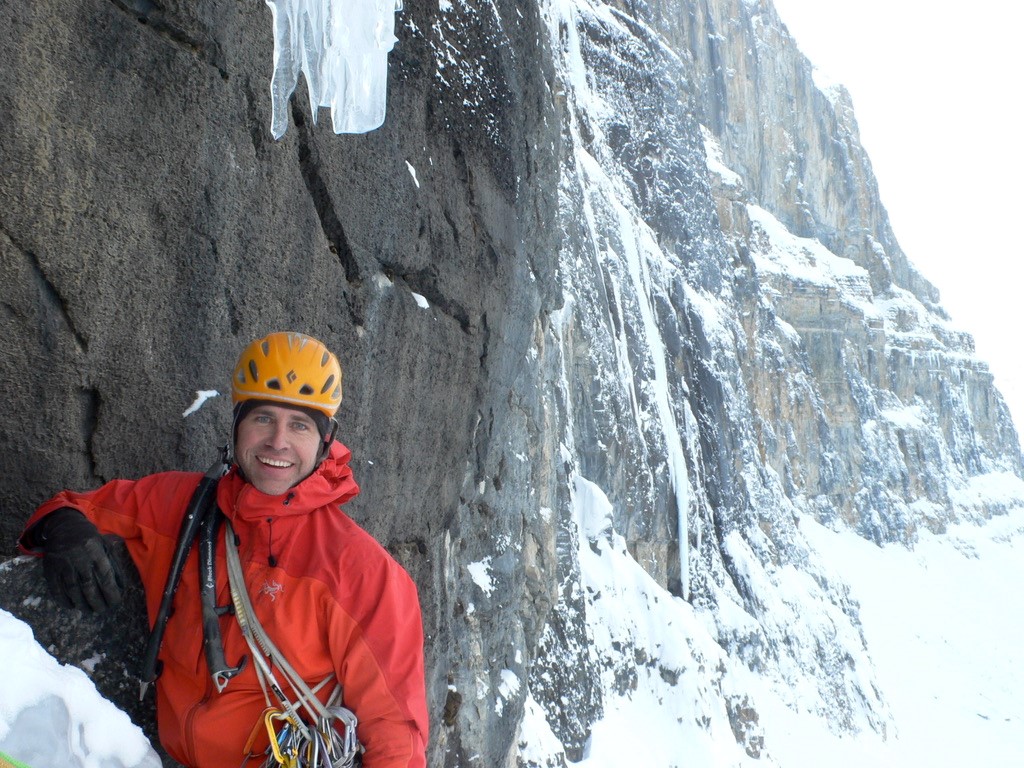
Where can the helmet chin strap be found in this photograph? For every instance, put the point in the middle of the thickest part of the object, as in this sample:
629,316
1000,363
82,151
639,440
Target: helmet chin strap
329,438
229,449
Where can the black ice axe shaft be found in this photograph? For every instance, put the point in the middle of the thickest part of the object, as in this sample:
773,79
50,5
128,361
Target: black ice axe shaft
213,645
203,499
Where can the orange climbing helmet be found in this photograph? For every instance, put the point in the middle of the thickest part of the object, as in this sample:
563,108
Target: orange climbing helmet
290,368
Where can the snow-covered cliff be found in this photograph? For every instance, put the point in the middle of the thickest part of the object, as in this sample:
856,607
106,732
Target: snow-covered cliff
623,321
744,341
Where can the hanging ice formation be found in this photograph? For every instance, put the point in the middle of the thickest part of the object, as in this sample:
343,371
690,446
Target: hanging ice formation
341,46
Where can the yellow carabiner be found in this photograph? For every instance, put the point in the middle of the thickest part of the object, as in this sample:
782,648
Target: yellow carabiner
286,757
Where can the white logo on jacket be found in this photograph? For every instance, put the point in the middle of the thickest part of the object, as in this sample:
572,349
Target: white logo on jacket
272,589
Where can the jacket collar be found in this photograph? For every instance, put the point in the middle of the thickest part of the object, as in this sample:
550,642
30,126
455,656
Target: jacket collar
330,483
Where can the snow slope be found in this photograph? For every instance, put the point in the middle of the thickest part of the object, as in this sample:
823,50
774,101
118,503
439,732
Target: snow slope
943,623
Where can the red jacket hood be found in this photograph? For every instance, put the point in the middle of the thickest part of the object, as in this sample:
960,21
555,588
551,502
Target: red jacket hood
331,483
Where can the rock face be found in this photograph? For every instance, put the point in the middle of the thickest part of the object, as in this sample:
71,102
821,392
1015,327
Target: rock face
621,246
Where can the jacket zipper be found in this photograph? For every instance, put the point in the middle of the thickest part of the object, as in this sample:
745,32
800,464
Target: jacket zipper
188,729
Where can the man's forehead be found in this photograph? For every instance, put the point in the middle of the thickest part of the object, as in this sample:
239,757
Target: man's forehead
282,411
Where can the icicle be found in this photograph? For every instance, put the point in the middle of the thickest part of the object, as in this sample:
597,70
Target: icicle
342,48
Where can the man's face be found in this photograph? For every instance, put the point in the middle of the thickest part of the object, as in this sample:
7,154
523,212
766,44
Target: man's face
276,447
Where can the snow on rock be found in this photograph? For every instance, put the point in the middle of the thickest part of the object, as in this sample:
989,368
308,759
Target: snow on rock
715,161
660,670
480,572
202,395
51,715
775,365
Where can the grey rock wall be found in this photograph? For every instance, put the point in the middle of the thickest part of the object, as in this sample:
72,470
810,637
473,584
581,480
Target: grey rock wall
150,228
600,305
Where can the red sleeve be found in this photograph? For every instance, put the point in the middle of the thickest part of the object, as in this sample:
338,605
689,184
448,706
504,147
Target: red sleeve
108,507
146,513
377,644
131,509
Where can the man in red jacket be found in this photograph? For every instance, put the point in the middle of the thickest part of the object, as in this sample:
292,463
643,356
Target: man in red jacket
339,609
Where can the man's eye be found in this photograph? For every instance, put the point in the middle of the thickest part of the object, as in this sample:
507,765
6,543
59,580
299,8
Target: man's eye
301,426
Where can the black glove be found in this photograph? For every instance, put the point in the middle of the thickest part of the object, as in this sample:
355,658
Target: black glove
79,567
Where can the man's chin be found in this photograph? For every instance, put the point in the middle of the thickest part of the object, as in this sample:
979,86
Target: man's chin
257,476
272,486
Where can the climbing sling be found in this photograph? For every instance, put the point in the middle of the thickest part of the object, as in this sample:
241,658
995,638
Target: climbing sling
295,743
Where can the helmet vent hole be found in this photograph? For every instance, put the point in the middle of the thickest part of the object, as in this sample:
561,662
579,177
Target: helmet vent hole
327,384
325,359
253,371
265,346
306,390
274,384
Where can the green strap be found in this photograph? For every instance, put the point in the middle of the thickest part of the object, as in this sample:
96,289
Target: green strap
6,761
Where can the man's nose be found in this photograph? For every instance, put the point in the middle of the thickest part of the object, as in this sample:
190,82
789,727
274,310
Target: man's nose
276,435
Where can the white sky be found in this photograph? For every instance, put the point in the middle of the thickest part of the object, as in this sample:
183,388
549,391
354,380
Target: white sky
936,86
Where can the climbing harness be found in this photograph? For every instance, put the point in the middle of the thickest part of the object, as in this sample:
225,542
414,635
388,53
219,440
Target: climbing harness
327,738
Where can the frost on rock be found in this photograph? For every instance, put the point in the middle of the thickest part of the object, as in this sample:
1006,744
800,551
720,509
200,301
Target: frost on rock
341,46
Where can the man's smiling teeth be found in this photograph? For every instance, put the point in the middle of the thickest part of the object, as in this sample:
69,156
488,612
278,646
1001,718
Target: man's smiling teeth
274,462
